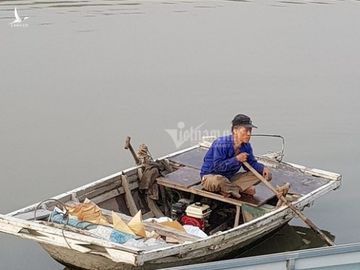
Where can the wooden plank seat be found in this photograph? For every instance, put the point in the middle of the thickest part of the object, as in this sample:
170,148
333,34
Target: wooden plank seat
184,176
193,158
188,179
300,183
262,195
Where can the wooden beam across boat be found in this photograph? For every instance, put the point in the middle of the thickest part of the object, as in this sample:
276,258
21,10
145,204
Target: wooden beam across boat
161,229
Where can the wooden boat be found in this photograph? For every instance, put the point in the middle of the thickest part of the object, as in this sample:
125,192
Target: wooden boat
250,218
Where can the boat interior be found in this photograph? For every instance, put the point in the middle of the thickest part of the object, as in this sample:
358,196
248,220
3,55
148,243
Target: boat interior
181,196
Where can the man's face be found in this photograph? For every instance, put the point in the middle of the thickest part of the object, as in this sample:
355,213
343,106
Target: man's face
242,134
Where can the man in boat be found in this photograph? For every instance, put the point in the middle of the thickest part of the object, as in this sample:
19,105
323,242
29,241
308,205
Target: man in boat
220,170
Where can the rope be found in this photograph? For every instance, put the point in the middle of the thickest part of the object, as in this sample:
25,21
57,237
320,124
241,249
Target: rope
66,215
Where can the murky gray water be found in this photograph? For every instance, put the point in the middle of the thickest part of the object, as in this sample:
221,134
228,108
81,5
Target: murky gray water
79,76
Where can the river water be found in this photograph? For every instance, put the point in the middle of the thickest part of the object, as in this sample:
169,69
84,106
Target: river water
77,77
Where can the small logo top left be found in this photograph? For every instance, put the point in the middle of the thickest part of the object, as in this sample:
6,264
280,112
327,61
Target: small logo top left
19,22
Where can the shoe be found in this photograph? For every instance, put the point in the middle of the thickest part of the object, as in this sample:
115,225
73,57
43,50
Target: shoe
226,195
250,191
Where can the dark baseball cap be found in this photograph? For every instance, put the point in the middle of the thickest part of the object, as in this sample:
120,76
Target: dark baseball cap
242,120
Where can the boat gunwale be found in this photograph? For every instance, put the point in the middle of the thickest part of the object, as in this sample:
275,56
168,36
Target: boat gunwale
330,176
56,231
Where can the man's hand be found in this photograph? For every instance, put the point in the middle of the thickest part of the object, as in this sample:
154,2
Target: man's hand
267,174
242,157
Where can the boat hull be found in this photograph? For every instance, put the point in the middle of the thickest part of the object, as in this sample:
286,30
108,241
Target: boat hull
91,261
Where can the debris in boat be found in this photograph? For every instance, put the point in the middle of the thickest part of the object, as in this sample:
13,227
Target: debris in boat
173,224
120,225
158,220
100,231
152,234
90,214
194,230
168,222
144,155
87,211
136,225
148,183
120,233
111,234
61,217
152,170
172,240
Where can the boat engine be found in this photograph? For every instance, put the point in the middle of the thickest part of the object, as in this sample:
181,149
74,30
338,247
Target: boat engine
197,214
178,209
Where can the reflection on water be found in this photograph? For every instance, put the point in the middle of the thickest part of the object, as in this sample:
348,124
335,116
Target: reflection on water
111,7
293,2
287,238
71,85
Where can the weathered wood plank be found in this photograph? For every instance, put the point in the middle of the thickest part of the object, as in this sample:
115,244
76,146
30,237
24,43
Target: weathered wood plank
113,193
165,203
128,196
117,204
100,186
96,191
154,208
164,182
133,172
299,182
193,158
184,176
133,178
40,214
237,216
148,215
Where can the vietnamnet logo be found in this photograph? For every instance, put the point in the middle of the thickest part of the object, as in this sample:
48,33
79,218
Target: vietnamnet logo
193,134
18,22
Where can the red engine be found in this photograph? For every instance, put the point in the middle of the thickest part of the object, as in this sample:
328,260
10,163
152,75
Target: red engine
186,220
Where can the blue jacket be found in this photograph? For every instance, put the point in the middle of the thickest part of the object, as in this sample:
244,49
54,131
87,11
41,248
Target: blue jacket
220,158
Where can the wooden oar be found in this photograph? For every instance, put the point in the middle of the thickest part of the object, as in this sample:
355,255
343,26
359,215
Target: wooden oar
296,211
